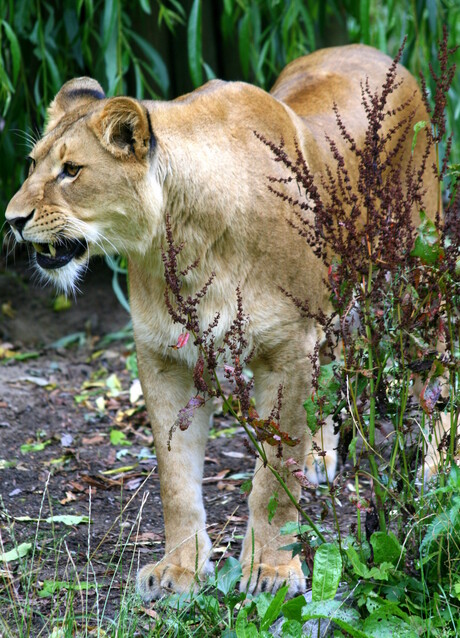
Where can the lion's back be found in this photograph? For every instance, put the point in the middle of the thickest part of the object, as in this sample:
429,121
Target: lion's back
312,83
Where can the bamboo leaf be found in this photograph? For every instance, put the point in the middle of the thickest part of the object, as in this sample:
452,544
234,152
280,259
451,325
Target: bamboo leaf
54,71
145,5
108,21
194,44
364,14
158,69
15,50
244,44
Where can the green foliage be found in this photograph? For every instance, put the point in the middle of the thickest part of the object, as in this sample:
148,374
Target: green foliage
126,46
427,245
325,400
327,572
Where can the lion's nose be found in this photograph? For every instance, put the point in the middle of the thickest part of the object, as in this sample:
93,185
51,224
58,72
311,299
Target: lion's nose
20,222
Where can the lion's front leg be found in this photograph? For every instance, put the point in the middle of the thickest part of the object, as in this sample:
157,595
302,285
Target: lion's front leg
265,566
168,388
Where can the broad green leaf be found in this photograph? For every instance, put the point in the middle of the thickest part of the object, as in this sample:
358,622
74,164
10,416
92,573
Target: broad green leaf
293,527
117,437
292,609
457,590
263,601
246,487
292,629
229,575
194,44
444,524
454,477
427,245
362,570
17,552
244,629
384,625
386,548
67,519
34,447
327,570
51,587
274,609
346,618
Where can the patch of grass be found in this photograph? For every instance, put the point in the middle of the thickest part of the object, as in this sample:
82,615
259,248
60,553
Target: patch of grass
49,587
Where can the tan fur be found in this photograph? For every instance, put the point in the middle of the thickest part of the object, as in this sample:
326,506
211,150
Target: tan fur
208,170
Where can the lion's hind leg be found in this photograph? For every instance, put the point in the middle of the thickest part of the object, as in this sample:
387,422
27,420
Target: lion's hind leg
265,565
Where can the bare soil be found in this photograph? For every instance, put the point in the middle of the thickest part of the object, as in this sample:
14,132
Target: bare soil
53,398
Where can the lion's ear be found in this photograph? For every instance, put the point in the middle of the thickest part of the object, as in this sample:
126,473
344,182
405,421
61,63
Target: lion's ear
73,95
123,128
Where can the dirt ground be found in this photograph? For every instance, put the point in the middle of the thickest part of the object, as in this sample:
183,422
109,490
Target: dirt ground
73,441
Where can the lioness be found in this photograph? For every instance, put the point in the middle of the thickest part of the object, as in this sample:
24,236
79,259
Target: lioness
103,178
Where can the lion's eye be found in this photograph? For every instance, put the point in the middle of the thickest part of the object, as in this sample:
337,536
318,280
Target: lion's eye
70,170
31,165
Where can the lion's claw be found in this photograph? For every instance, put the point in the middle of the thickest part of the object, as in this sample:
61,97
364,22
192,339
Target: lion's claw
159,579
268,578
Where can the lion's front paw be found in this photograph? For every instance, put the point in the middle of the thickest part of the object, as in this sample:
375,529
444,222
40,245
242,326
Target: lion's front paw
158,579
269,578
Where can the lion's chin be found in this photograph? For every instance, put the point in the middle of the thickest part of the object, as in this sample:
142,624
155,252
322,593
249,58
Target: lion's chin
65,277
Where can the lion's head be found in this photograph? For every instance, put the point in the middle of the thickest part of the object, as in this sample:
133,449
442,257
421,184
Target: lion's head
91,178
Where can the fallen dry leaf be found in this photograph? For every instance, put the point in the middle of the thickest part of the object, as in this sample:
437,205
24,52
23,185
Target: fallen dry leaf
69,497
93,440
218,477
78,487
234,455
150,612
227,487
147,537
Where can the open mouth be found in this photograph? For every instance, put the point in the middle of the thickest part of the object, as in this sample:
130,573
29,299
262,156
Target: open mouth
57,255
